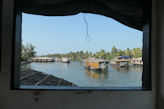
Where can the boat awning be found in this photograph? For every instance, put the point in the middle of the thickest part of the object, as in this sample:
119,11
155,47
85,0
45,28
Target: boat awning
125,57
128,12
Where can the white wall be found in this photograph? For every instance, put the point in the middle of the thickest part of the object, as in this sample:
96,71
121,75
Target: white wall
28,99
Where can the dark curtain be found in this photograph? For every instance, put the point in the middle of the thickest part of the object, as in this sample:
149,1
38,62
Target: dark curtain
128,12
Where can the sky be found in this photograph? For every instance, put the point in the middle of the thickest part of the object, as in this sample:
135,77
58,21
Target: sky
62,34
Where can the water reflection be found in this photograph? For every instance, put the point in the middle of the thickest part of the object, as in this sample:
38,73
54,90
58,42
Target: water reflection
75,73
65,65
127,69
97,74
120,69
137,68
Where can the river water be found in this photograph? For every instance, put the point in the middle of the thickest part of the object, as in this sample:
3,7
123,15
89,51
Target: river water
75,73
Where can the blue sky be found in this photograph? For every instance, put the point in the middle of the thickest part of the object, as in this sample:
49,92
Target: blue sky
62,34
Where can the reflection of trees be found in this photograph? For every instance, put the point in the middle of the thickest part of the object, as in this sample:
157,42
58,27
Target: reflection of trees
96,74
27,51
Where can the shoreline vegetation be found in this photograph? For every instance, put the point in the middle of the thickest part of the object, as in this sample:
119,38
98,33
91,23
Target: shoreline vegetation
28,51
32,77
102,54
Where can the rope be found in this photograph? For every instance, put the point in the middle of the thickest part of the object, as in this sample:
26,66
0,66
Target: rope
88,36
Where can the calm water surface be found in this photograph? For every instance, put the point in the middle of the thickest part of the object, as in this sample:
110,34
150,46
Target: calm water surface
75,73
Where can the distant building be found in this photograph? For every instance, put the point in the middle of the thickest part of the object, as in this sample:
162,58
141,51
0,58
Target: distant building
137,61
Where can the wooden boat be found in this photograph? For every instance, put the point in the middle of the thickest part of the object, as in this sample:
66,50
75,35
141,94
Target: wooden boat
42,59
124,64
65,60
121,61
96,64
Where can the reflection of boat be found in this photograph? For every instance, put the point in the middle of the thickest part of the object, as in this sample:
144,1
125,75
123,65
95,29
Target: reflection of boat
124,64
65,60
120,69
121,61
96,75
96,64
131,68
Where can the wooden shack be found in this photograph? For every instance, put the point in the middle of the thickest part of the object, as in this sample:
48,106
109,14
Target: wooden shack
96,64
42,59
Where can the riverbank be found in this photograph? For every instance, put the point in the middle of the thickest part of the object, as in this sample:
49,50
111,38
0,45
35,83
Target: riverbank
32,77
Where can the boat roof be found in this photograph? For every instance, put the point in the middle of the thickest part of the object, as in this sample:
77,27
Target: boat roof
95,60
123,56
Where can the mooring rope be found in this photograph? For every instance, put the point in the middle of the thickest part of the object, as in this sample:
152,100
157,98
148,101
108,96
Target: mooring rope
88,36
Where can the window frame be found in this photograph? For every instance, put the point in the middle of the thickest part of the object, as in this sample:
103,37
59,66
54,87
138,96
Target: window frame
1,4
16,54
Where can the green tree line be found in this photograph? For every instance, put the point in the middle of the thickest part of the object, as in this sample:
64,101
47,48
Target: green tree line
102,54
27,51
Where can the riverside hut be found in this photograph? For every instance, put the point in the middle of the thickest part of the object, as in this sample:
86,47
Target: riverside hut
42,59
96,64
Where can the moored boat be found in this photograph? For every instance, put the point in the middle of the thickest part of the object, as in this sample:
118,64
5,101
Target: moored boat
65,60
121,61
42,59
96,64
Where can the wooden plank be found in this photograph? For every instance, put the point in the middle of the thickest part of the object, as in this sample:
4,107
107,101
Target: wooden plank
28,75
42,80
60,80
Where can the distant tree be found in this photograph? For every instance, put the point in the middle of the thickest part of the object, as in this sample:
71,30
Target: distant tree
137,52
27,51
102,54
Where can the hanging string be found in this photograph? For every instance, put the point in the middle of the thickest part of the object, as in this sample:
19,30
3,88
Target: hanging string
88,36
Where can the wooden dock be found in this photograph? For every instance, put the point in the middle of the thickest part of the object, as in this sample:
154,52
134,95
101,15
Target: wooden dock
31,77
